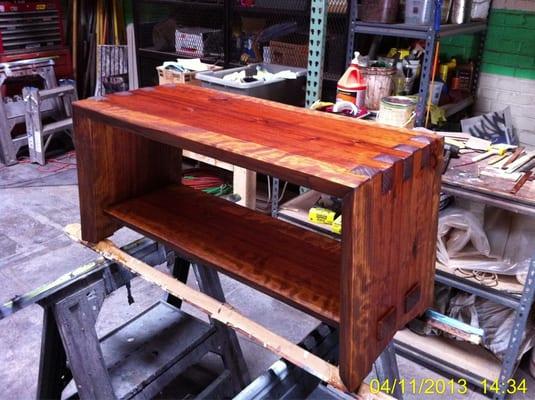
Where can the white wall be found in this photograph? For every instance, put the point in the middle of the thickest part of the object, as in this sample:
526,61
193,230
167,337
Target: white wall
496,92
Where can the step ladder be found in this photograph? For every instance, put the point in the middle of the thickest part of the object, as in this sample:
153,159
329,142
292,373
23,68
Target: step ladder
40,135
12,107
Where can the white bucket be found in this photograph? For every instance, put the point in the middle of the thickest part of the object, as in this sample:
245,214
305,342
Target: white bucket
397,111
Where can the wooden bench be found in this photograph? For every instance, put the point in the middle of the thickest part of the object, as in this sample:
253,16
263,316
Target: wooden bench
370,284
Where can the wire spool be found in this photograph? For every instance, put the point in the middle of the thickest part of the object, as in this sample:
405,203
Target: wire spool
397,111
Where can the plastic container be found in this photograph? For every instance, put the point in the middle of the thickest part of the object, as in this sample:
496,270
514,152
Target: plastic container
418,12
352,85
288,91
382,11
480,10
436,91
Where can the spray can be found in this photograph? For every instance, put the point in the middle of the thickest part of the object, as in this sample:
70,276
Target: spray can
352,85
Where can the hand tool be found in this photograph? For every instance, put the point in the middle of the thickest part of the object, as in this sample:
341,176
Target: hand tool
521,161
518,152
450,151
499,149
499,161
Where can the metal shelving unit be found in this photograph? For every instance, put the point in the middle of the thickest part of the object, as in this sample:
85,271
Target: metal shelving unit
226,15
430,33
148,13
517,297
465,360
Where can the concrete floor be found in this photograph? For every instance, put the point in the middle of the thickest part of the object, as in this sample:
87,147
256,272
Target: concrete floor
35,204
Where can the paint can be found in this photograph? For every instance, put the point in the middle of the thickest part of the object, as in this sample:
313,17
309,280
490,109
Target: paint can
397,111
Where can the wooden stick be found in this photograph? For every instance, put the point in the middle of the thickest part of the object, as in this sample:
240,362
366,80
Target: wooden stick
431,85
521,182
518,152
225,314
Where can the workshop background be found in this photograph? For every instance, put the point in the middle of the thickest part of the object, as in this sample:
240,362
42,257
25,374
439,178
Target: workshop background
508,65
470,80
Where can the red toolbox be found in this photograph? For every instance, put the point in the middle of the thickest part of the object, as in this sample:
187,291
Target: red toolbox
34,29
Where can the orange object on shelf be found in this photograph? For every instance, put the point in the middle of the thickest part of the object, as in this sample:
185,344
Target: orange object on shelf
352,85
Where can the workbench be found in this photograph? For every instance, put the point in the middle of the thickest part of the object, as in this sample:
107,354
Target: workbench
464,178
129,148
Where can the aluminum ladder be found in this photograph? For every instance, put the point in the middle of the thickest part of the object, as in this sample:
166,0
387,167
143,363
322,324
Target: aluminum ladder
39,135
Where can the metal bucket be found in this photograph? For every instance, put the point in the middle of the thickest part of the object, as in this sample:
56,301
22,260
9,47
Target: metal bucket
397,111
460,11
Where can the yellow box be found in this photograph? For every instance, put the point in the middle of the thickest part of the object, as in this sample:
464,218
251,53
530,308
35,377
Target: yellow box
321,215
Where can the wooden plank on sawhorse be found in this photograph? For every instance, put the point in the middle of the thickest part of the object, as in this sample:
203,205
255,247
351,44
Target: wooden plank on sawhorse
74,297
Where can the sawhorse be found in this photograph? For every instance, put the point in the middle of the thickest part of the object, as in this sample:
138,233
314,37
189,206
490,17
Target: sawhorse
138,359
284,380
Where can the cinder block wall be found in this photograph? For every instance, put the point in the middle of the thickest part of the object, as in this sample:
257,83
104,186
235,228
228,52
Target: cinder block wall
508,68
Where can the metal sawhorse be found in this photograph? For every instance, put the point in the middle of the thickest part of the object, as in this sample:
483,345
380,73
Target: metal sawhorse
285,381
138,359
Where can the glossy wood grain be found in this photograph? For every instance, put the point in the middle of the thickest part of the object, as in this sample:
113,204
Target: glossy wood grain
284,141
115,165
387,262
300,267
372,283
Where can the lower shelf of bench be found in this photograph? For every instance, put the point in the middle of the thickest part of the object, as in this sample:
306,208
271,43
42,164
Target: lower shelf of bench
299,267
